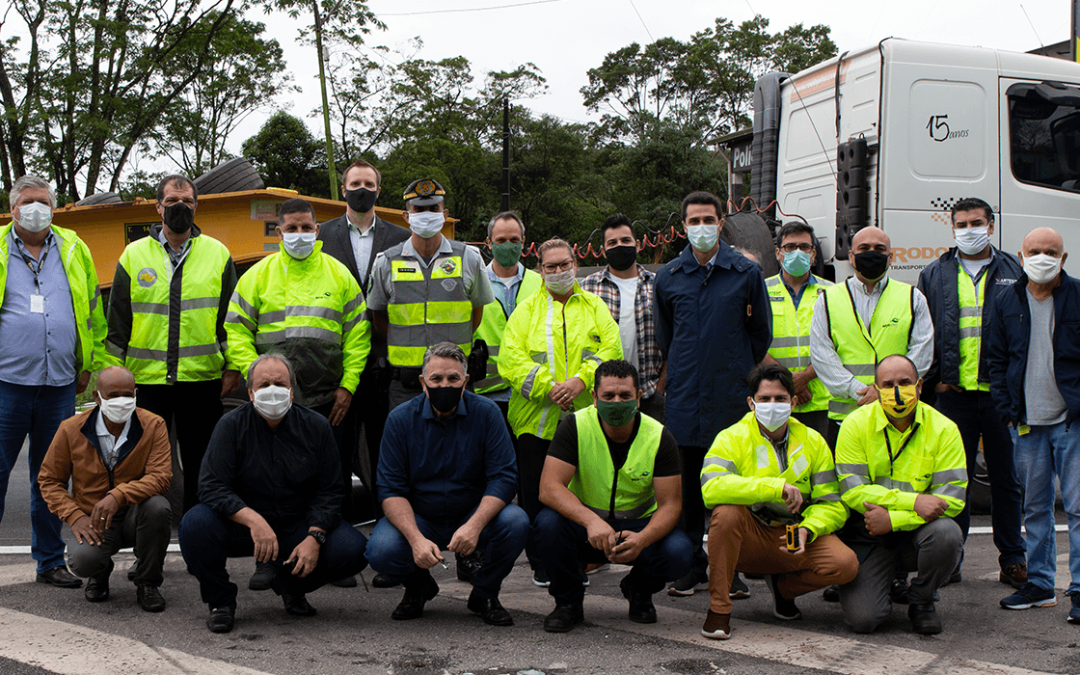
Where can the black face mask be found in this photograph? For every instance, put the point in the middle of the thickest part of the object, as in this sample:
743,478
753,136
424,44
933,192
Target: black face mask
179,217
444,399
361,200
871,264
621,257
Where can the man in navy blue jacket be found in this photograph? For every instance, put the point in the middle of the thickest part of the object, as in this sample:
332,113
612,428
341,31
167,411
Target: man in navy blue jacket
447,473
714,325
1035,383
960,288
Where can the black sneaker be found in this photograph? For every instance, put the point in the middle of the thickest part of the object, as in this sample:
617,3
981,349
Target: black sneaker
783,608
540,578
739,589
1074,613
641,604
564,618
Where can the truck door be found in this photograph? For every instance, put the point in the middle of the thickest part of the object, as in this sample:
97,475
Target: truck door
1040,161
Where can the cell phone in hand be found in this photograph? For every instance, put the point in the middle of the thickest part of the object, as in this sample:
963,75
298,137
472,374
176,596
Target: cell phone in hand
792,537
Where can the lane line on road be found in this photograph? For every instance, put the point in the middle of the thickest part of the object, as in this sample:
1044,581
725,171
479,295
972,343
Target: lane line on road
70,649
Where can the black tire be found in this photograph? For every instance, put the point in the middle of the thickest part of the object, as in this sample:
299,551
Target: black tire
99,198
749,230
235,175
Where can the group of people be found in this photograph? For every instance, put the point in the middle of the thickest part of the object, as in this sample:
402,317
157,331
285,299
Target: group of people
825,433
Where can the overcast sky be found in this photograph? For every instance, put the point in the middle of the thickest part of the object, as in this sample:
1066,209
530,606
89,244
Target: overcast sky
565,38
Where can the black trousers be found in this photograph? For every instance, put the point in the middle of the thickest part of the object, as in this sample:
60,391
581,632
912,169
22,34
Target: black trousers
195,408
345,436
531,454
371,405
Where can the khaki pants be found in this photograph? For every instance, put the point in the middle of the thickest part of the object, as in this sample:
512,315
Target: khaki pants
738,541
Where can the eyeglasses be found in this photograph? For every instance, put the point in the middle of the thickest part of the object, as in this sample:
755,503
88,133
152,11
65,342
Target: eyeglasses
791,248
552,268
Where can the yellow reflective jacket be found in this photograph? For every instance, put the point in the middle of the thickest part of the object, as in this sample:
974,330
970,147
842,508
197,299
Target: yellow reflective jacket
311,311
547,342
876,463
742,467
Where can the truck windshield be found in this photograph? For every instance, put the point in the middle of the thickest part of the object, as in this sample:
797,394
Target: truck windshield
1044,134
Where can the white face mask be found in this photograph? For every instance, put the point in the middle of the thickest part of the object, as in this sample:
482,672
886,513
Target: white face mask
1042,268
34,217
117,409
298,244
702,237
772,416
560,283
273,401
426,224
972,240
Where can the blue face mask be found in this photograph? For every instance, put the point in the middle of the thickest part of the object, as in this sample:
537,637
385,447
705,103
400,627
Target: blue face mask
797,263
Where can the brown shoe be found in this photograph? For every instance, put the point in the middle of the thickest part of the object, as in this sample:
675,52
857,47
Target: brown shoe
716,626
1015,575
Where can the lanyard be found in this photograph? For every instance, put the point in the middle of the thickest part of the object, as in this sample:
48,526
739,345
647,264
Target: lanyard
888,445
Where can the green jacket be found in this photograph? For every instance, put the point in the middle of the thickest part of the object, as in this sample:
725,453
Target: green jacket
90,326
877,464
312,312
742,467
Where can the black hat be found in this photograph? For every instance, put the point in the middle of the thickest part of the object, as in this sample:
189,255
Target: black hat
424,192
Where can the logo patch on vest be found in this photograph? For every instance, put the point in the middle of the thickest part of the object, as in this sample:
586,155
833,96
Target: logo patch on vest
448,266
449,285
147,276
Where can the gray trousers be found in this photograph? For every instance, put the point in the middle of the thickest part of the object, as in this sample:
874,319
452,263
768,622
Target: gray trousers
146,526
933,551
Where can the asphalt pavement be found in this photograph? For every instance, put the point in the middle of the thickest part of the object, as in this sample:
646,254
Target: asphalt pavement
51,630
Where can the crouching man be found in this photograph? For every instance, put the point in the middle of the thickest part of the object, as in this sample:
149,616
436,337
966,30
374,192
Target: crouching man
117,459
903,473
612,485
270,486
766,472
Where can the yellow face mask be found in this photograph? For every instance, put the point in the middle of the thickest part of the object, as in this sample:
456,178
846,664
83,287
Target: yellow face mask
898,401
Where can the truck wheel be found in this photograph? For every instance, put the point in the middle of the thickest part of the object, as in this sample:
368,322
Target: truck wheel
748,230
235,175
99,198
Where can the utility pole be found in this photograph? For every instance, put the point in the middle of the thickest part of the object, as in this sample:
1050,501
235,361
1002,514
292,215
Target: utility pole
506,153
330,168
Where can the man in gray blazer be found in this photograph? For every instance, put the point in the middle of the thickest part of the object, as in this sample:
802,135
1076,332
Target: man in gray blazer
355,239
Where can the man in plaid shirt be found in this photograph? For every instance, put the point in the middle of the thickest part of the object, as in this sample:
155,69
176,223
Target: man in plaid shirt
627,289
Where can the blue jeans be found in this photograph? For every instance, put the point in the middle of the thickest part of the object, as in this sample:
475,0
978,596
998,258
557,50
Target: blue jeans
564,546
1040,454
37,412
503,540
975,416
208,539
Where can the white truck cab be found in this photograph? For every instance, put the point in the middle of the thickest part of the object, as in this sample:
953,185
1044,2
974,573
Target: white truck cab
940,123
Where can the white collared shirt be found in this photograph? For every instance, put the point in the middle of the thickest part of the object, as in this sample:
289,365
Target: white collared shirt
362,243
110,445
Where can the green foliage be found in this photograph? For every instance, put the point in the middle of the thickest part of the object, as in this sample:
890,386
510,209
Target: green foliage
287,155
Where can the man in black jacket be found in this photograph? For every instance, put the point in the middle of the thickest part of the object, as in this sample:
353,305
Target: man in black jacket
1034,359
355,239
960,288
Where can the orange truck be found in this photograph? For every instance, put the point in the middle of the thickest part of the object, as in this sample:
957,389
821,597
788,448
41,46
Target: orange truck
243,221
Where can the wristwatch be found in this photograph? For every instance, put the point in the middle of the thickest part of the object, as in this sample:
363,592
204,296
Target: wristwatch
318,536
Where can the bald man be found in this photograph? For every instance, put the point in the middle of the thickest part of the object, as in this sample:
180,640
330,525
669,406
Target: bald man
901,469
117,458
860,322
1035,383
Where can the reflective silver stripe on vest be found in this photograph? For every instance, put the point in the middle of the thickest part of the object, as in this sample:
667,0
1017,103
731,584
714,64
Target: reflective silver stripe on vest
489,382
892,484
530,381
351,305
199,350
860,369
234,317
147,354
629,514
823,477
293,332
792,361
328,313
586,355
968,312
114,349
412,336
842,407
150,308
970,332
267,318
493,350
199,303
248,308
788,342
772,281
351,323
720,461
94,300
861,469
948,476
950,490
185,352
831,497
851,482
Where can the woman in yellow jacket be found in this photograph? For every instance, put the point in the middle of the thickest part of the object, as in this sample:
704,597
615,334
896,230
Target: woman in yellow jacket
552,345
